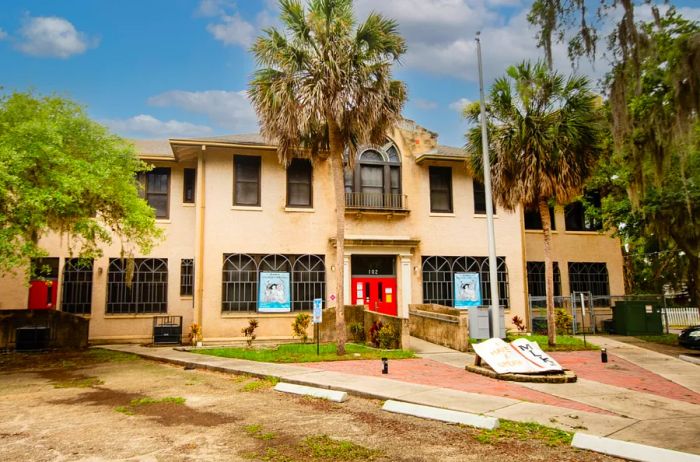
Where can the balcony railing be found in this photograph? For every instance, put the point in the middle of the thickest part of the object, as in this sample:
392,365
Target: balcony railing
375,201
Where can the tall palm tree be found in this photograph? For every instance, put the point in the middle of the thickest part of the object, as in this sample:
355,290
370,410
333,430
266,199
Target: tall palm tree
324,88
545,137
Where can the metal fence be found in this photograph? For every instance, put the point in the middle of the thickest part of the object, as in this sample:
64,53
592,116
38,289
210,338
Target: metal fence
375,201
579,306
680,316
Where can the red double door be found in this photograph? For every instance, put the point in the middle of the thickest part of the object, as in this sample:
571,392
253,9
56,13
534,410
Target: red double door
378,293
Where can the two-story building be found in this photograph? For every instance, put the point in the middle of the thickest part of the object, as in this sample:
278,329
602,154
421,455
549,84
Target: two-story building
231,214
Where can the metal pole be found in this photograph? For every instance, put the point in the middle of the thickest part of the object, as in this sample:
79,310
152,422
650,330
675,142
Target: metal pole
493,269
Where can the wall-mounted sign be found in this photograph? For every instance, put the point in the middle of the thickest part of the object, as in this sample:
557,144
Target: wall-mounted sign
520,356
467,290
273,293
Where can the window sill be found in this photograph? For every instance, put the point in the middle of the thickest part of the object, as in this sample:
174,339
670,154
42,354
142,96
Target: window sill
539,231
300,209
483,215
186,297
163,221
249,314
133,316
587,233
188,204
247,208
442,214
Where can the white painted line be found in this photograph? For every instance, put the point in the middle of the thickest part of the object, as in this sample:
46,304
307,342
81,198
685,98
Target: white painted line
444,415
331,395
631,451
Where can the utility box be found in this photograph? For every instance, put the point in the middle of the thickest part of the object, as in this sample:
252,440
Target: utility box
479,323
32,338
637,317
167,330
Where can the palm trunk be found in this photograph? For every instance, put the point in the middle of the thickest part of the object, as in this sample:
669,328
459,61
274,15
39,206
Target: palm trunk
548,272
339,189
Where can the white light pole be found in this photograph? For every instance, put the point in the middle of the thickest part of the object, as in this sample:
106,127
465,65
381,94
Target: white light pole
493,269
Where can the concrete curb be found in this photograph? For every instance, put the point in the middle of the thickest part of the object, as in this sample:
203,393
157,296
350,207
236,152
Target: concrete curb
631,451
690,359
443,415
330,395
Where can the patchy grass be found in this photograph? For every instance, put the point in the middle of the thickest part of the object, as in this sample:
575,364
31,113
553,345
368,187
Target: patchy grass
325,447
525,431
315,448
256,431
78,382
146,401
665,339
303,353
101,355
260,384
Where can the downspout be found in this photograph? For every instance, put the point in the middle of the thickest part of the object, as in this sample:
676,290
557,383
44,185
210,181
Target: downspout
199,240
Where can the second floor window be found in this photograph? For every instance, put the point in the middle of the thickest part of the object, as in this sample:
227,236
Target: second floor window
156,190
578,219
376,181
299,184
246,174
533,220
440,189
480,198
188,186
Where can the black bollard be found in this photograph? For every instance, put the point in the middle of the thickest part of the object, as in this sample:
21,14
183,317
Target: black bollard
603,355
385,369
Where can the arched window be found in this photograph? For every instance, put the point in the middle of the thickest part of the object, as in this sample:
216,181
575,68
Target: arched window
308,282
147,292
240,283
376,180
437,281
77,286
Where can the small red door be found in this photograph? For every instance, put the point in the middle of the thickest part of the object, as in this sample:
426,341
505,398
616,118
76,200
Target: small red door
377,293
42,294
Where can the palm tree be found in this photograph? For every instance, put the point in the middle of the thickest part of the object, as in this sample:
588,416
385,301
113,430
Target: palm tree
324,88
545,137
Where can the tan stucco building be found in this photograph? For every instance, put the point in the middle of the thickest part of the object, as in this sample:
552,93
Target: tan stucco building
235,219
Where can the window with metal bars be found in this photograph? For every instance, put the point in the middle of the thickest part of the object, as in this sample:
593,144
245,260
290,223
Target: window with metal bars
241,275
438,278
186,276
536,283
589,277
76,292
147,292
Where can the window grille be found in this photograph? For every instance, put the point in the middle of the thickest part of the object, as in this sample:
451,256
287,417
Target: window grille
438,278
146,293
77,286
186,276
241,275
536,282
589,277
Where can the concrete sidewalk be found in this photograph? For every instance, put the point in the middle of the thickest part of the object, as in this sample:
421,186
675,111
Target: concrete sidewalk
628,424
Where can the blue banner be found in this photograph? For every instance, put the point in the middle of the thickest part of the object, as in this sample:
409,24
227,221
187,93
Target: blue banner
467,290
273,293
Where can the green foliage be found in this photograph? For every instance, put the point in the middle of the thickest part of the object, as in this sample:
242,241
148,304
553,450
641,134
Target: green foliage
300,325
564,343
374,333
302,353
564,321
249,331
357,329
327,448
665,339
62,172
388,337
524,432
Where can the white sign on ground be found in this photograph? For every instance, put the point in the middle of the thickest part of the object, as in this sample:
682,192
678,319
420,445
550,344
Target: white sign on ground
520,356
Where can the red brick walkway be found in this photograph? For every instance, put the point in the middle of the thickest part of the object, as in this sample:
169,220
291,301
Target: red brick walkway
428,372
621,373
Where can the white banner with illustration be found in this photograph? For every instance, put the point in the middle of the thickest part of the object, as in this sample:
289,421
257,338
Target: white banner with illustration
520,356
467,290
273,293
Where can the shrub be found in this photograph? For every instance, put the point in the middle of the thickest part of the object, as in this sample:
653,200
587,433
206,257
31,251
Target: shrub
388,337
299,326
357,329
564,321
249,331
519,323
374,333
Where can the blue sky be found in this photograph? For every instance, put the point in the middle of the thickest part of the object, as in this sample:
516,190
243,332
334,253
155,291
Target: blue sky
179,68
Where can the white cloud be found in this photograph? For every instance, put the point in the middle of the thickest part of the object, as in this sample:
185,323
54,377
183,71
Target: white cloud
144,125
209,8
425,104
3,34
460,104
233,30
54,37
230,110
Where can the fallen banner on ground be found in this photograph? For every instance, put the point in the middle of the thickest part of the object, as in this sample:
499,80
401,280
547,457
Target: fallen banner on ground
520,356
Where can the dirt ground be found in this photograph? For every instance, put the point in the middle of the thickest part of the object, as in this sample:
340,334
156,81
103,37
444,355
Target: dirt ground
107,406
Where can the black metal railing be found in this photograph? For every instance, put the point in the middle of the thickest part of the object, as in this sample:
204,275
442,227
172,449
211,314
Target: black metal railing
375,201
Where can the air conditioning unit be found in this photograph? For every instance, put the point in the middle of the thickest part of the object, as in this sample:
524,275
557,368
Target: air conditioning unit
32,338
